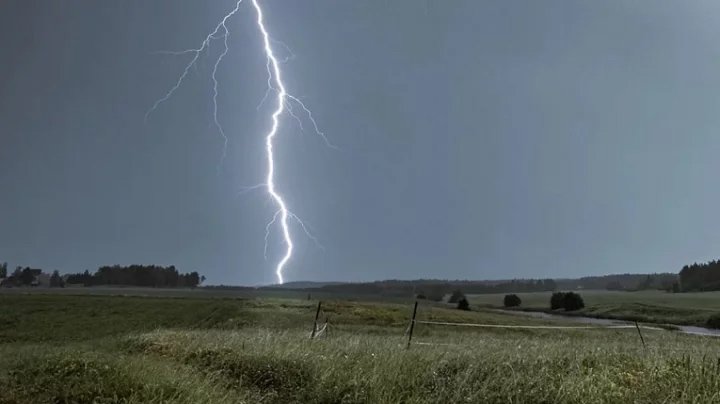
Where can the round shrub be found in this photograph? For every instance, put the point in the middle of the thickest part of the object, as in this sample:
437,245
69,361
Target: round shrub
566,300
557,300
713,321
456,296
463,304
573,301
511,300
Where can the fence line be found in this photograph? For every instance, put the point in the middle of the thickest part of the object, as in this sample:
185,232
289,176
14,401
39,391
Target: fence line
549,327
414,320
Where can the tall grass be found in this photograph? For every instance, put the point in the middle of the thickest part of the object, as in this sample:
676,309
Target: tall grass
260,352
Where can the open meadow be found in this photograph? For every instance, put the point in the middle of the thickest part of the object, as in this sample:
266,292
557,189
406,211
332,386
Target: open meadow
647,306
65,348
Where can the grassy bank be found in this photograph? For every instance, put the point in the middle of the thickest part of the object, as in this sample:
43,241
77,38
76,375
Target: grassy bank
123,349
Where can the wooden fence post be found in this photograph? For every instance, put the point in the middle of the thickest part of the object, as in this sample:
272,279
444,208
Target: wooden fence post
640,334
317,314
412,324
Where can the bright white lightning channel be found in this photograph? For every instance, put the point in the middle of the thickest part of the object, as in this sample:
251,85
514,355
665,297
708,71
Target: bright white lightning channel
283,104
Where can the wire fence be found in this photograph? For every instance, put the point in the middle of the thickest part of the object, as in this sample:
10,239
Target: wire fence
414,321
547,327
322,326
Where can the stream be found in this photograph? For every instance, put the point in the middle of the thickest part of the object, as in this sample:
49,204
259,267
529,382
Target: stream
686,329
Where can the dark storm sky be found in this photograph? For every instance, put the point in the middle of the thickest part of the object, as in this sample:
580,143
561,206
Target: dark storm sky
479,139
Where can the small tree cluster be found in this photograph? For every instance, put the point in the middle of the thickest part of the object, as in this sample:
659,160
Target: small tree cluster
456,296
512,300
700,277
566,300
22,276
56,281
713,321
463,304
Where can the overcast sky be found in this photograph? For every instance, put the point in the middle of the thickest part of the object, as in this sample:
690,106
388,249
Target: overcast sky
477,139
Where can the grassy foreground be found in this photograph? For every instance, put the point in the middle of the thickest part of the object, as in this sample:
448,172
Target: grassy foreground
82,349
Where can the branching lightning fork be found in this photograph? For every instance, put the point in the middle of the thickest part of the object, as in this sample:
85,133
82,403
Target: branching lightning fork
283,103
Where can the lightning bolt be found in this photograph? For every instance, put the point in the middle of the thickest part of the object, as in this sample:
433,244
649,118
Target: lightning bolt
282,95
196,52
283,103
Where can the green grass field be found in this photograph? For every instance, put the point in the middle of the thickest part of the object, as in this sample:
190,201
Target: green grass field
107,349
646,306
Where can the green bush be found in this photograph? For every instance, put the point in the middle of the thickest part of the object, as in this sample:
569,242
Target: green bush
713,321
566,300
512,300
557,300
463,304
456,296
573,301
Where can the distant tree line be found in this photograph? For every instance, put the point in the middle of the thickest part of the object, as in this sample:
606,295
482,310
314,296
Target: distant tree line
437,289
433,289
700,277
627,282
132,275
56,281
515,285
28,277
137,275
